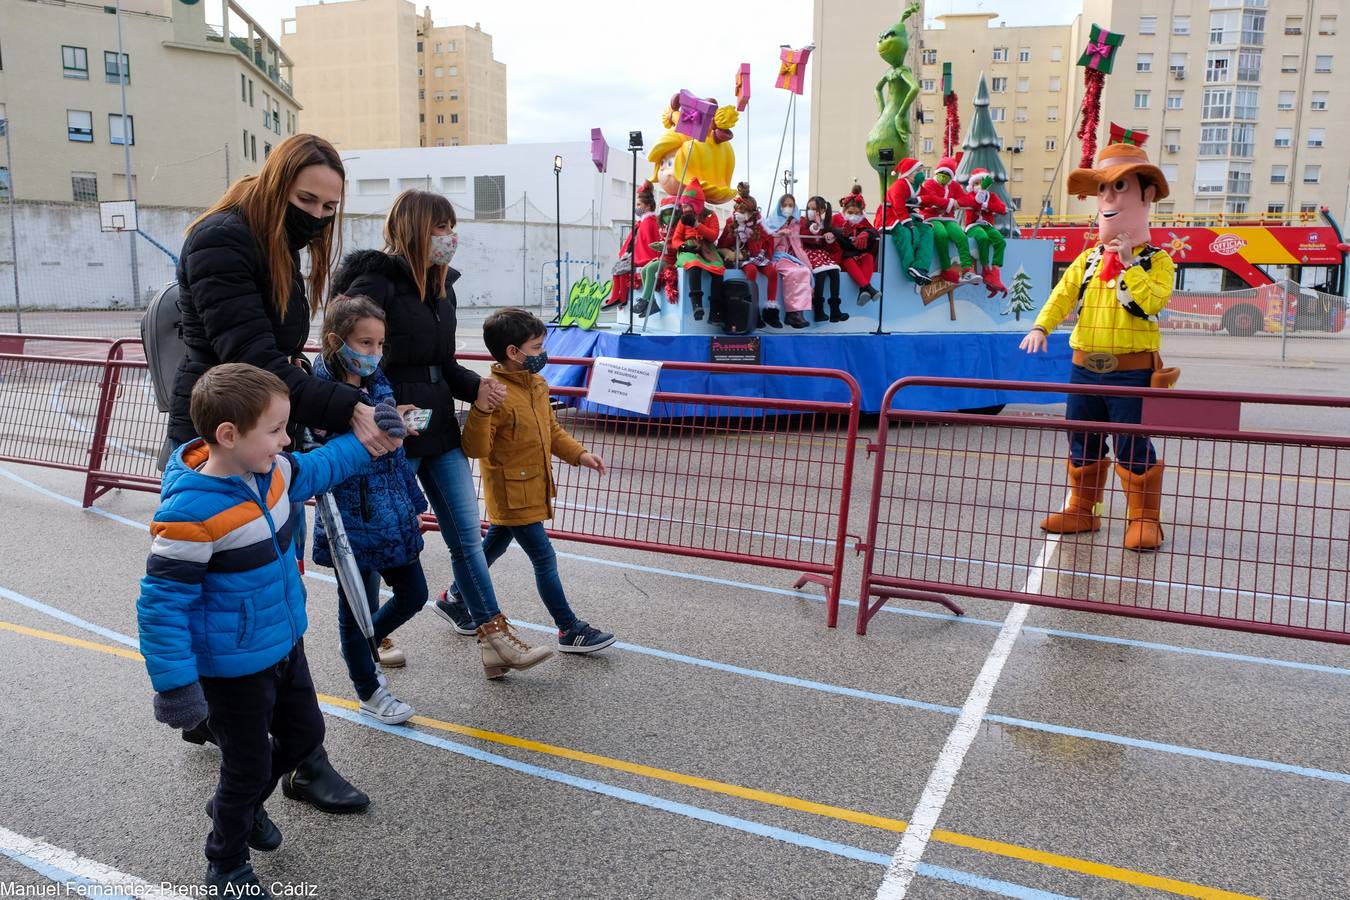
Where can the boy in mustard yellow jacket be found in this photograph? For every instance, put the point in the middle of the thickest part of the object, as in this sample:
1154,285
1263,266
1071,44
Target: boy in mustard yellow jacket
1119,287
514,443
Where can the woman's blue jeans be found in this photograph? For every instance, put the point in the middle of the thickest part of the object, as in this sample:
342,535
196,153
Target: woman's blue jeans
448,484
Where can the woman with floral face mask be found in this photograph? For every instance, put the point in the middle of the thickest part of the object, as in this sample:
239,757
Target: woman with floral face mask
412,282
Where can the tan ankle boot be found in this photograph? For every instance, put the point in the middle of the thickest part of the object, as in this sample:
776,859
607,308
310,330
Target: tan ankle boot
504,651
1087,484
1143,507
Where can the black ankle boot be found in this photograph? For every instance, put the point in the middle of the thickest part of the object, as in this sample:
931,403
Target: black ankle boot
818,308
317,783
199,734
696,301
639,307
769,316
797,320
264,835
835,314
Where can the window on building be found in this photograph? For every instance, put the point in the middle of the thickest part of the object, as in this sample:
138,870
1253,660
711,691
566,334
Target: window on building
276,116
454,184
1326,25
1047,174
1319,100
1176,64
1054,83
1293,24
1289,63
454,71
454,142
243,88
372,186
1218,103
421,93
440,96
1018,174
420,71
267,150
927,145
1051,143
253,147
80,126
440,71
1244,140
438,46
1214,140
449,46
112,72
1056,53
1024,54
74,61
1286,100
1000,86
1240,178
250,92
454,118
1143,62
1253,26
1284,137
1023,85
1317,137
1249,65
1169,171
419,46
266,111
928,85
1323,63
1307,207
1021,114
1245,103
421,118
4,183
1223,27
1052,114
1210,175
489,196
440,142
454,95
1174,99
1141,99
1312,174
1148,24
929,57
440,120
1218,67
1000,54
1275,208
1020,143
1172,139
1235,207
120,134
84,187
1181,24
245,145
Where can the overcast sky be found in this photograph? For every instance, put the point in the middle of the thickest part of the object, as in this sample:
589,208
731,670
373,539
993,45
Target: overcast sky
615,63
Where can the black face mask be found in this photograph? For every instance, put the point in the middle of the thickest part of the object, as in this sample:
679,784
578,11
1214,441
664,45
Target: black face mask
301,227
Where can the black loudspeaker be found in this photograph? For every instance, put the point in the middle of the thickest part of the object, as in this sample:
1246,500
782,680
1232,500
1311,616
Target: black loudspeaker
740,306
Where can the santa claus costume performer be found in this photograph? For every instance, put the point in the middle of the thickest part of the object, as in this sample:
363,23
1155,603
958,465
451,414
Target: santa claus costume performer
980,227
790,259
899,215
747,246
859,244
693,248
1119,286
942,203
646,259
824,253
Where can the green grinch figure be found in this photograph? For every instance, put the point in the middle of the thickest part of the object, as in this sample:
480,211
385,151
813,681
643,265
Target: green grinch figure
895,95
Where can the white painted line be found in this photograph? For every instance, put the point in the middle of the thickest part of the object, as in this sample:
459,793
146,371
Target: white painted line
85,877
75,423
909,855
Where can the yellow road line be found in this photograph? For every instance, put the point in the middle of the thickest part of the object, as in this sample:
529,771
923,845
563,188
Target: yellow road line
768,798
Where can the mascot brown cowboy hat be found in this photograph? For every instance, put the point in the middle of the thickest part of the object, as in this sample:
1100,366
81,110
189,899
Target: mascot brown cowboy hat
1124,156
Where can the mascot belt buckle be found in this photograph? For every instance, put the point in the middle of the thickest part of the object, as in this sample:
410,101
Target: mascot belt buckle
1101,363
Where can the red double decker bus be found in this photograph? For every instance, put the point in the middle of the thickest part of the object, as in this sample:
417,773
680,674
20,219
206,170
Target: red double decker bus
1240,273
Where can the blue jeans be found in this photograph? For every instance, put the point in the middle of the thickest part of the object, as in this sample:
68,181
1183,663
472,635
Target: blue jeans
448,484
1135,452
410,595
533,539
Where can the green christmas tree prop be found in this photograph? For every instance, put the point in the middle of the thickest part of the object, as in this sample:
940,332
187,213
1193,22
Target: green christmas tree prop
983,149
1019,301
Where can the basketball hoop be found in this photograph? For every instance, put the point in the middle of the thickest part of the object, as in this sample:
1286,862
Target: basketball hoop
117,215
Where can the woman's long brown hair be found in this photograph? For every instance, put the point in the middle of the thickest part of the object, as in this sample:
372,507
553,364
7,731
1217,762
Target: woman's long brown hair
407,233
261,199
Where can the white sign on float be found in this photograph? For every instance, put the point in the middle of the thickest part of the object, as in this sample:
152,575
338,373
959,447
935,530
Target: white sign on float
623,383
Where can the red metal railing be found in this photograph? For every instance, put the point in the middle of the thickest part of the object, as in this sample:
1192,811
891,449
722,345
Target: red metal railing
1257,523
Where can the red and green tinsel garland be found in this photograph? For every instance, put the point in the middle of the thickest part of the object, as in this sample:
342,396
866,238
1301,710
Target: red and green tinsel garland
1093,82
951,131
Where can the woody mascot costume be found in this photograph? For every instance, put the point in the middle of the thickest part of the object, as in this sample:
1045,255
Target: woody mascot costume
1119,286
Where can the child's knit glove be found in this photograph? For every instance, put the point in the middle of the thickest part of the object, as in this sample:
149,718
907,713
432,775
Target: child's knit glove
389,420
182,707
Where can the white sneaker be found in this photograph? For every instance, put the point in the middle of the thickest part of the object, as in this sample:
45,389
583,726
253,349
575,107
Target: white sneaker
386,708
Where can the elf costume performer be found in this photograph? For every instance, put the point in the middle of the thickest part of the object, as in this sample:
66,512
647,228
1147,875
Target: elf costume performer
985,204
747,246
859,244
693,248
790,258
912,236
646,259
1119,287
942,203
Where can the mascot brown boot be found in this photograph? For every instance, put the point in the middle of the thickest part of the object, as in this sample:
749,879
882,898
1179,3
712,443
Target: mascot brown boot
1143,506
1087,484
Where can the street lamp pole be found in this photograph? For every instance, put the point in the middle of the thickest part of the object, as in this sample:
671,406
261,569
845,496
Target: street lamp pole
557,215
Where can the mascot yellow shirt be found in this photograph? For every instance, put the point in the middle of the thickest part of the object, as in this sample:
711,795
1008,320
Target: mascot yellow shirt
1104,325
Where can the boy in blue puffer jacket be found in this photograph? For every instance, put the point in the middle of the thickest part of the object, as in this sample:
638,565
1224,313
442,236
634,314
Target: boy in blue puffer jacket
221,613
379,511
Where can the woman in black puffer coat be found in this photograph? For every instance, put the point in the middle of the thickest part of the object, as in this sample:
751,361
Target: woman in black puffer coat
411,280
243,300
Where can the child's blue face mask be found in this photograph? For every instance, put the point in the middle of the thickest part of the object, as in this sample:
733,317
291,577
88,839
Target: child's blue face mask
361,365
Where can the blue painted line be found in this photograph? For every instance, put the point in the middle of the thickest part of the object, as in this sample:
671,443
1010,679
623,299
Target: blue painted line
698,813
38,606
75,884
816,598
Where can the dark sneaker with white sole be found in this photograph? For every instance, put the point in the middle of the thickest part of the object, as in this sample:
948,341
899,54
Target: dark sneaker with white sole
454,610
582,638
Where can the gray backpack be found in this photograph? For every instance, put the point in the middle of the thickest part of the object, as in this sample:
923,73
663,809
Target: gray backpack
164,352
